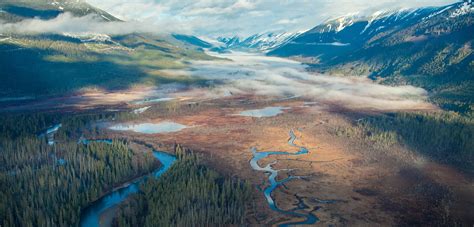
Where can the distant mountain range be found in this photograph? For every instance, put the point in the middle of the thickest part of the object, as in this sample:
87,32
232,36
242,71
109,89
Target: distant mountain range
264,42
346,34
429,47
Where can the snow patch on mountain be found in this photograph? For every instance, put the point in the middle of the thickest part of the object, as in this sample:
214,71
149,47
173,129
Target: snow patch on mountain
92,38
62,4
5,39
374,17
345,21
438,12
339,44
264,42
466,8
383,18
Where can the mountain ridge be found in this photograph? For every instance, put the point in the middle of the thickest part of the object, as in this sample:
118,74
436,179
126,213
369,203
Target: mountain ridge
429,47
18,10
262,42
62,62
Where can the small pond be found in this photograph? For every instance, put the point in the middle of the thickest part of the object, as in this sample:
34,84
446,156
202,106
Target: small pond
150,128
265,112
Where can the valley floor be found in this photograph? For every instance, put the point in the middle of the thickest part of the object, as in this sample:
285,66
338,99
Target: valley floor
345,181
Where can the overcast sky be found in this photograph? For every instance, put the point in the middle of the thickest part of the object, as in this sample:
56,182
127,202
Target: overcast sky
213,18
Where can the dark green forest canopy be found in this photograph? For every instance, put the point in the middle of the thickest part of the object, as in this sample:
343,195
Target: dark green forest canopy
427,47
57,64
43,185
446,137
189,194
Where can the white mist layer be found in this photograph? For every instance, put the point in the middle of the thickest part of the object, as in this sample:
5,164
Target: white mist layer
271,76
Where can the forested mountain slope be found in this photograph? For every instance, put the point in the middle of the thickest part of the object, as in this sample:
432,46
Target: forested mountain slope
17,10
428,47
56,63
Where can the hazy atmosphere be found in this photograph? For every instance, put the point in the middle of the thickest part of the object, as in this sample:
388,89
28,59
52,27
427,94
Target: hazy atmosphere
246,17
270,76
209,19
118,113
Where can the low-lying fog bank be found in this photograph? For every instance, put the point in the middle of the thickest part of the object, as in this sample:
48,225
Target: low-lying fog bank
271,76
251,74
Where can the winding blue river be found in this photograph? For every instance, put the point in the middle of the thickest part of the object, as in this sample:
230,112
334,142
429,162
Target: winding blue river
91,216
50,132
257,156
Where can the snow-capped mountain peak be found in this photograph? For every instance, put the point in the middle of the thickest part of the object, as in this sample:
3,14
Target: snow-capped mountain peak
263,42
385,18
466,8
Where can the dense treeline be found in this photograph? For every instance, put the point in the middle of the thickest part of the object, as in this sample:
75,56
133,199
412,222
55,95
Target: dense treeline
13,126
447,137
43,185
188,194
60,64
443,64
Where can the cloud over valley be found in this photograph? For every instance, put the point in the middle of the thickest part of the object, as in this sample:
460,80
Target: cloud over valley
282,78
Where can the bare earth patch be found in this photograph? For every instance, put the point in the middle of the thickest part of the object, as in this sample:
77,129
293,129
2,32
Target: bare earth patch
346,182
